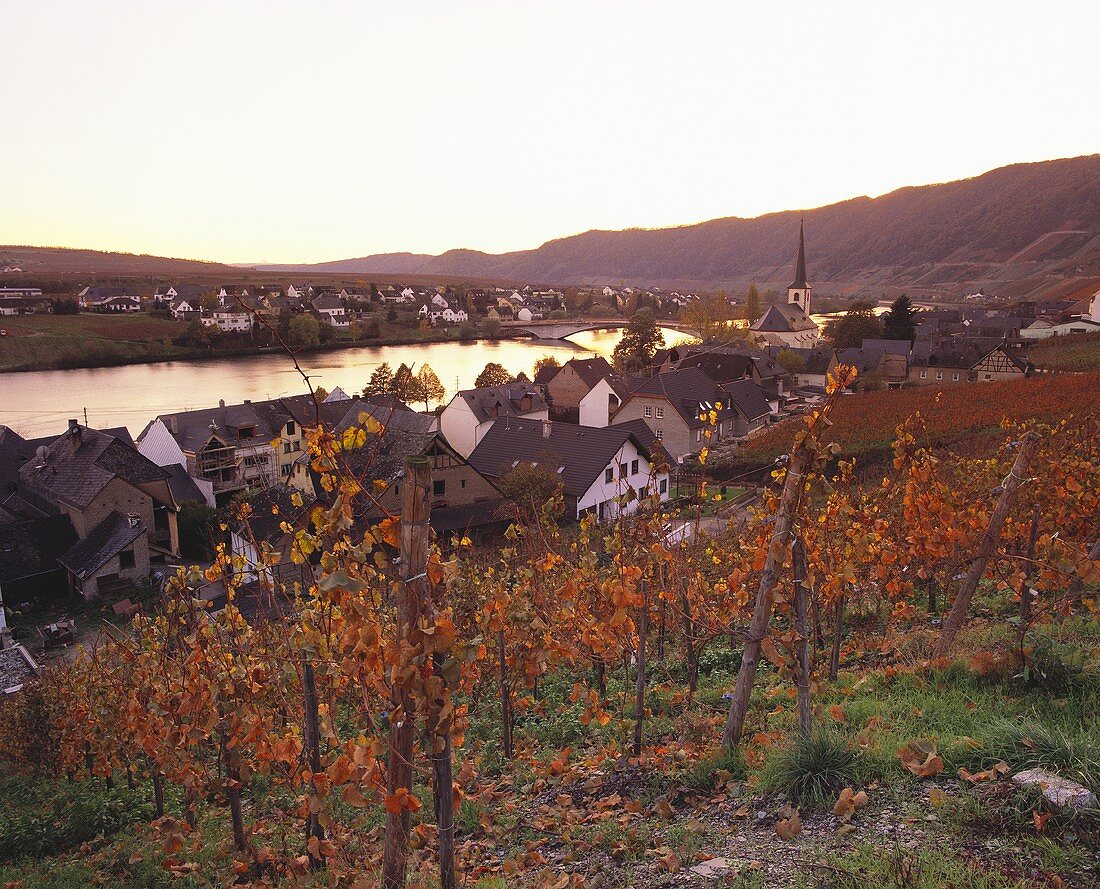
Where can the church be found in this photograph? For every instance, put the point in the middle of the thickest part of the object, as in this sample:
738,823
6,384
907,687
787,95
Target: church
790,325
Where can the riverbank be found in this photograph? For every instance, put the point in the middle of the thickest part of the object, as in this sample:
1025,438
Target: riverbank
70,342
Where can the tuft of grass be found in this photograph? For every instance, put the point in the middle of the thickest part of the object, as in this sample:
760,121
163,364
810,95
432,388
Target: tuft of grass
927,868
813,769
1071,751
706,772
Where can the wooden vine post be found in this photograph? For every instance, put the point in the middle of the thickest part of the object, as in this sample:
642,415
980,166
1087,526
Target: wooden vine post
793,486
1007,499
801,628
311,747
639,680
1025,586
415,512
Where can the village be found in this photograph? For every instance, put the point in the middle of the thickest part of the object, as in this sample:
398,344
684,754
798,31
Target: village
90,515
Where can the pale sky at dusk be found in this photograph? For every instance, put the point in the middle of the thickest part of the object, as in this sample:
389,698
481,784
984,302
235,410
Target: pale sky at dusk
306,131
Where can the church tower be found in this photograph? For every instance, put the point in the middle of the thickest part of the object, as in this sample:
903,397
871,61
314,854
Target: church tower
798,293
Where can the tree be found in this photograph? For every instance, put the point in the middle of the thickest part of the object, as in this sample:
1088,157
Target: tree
305,331
380,382
752,304
640,342
711,318
403,383
545,361
320,393
790,361
856,325
195,521
529,487
900,323
208,302
493,375
426,386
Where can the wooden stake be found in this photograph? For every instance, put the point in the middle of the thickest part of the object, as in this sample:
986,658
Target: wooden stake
1025,586
793,486
415,512
800,627
1016,477
639,682
311,738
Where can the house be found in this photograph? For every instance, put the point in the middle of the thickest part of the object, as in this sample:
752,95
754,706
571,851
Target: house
604,472
439,308
677,405
464,502
750,405
790,324
526,314
999,364
239,446
261,539
472,412
119,502
185,310
565,386
331,310
726,362
601,402
109,299
1041,329
229,320
170,293
29,566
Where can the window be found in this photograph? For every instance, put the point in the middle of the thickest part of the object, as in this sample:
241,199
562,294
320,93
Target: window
286,447
633,467
622,470
287,468
648,411
290,428
698,434
659,434
247,432
954,378
939,374
924,375
664,486
462,483
126,559
439,487
660,413
608,475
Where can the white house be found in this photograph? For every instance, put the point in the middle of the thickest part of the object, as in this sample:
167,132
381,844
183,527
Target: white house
604,472
472,412
183,309
331,310
438,309
600,403
229,320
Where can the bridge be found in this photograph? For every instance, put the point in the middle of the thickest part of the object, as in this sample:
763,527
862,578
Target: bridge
560,330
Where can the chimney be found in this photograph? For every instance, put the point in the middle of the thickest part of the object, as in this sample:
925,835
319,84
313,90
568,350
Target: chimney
173,423
221,402
76,436
546,424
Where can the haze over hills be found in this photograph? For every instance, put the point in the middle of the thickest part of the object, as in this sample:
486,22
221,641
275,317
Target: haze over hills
1017,230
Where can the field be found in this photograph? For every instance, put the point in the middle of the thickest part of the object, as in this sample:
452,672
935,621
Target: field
965,416
1075,353
52,341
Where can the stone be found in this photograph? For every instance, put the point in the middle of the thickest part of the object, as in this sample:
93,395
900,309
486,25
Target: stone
1058,791
712,868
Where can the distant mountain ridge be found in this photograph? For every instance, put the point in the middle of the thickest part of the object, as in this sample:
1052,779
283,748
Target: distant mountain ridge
1024,227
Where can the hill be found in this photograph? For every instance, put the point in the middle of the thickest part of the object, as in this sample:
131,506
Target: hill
1018,231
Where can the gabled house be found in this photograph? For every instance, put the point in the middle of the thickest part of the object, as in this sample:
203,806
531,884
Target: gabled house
439,308
568,384
109,299
229,319
601,402
677,406
464,502
604,472
999,364
472,412
119,502
331,310
817,364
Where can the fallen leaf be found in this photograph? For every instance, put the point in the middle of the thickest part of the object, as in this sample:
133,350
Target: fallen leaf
789,828
920,758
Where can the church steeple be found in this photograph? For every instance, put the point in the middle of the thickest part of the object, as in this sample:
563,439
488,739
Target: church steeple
799,291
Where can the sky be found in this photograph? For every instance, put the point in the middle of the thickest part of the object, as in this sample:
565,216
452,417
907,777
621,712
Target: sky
245,131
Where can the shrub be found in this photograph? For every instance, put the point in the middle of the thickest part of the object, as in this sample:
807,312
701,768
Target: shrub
1050,666
706,771
813,769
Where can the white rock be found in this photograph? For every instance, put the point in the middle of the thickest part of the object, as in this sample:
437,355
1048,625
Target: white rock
1057,791
712,868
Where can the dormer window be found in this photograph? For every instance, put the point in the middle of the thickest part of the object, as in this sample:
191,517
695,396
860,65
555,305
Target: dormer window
246,432
290,428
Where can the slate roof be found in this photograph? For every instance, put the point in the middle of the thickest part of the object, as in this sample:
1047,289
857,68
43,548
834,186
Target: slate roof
33,547
506,400
748,398
14,452
266,525
818,360
891,347
327,302
579,454
75,477
17,667
590,370
107,539
546,373
182,485
690,392
799,282
404,434
784,318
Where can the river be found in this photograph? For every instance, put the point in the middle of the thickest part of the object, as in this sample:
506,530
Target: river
37,403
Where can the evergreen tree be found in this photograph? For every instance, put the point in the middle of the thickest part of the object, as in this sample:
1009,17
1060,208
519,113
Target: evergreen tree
641,340
856,325
900,322
381,381
752,304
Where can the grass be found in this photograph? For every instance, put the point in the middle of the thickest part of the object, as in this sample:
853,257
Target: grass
812,769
